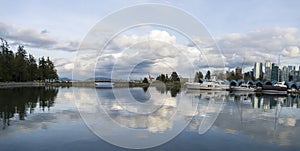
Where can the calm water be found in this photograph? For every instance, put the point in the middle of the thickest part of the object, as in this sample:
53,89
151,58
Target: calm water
87,119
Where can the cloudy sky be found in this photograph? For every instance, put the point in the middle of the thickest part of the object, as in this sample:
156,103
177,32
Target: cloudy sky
245,32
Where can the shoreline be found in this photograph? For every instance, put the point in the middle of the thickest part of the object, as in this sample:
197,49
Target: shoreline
90,84
31,84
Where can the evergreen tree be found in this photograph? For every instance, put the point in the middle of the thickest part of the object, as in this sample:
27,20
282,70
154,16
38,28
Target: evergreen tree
7,62
207,76
145,80
51,73
20,67
198,76
174,76
161,78
32,69
42,69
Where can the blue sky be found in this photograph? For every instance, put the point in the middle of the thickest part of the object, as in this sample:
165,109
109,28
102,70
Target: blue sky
55,28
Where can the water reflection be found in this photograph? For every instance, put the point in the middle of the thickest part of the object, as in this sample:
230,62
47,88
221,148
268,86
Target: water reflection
163,89
266,118
147,108
17,103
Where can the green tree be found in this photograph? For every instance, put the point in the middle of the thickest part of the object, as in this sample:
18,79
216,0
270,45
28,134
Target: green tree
6,62
33,69
47,70
247,76
42,69
198,76
207,76
21,65
161,78
51,72
230,75
174,77
145,80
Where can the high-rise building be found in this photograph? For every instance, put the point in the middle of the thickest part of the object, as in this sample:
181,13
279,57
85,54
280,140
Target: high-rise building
292,74
258,70
274,74
285,74
279,74
268,70
298,79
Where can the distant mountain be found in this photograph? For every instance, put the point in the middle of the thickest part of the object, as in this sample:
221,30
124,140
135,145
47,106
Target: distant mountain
65,79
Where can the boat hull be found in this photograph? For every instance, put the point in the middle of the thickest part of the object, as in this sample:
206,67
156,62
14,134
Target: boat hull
268,89
199,86
243,89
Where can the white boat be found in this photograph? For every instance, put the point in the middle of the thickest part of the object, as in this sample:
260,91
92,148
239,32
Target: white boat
243,87
207,85
104,85
278,88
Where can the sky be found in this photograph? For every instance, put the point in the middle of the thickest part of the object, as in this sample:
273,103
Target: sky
244,32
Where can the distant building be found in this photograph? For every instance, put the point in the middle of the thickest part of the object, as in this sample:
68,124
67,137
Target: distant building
268,70
285,74
238,72
290,68
292,74
279,74
258,70
275,72
298,78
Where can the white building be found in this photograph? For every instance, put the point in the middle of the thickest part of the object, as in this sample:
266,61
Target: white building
257,70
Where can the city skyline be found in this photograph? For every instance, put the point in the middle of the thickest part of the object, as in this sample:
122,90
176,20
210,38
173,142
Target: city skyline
270,71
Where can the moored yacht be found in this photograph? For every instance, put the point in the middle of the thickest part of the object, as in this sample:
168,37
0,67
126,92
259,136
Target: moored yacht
243,87
278,88
208,85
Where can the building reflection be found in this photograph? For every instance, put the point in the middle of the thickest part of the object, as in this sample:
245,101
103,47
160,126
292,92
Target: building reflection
19,102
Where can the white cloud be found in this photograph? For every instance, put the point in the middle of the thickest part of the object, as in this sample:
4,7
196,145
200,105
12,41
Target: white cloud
156,52
260,45
292,51
64,66
36,39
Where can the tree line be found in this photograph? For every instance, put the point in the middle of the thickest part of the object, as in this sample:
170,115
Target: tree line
164,77
22,67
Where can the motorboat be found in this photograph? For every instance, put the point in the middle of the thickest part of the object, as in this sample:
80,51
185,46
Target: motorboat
278,88
208,85
243,87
